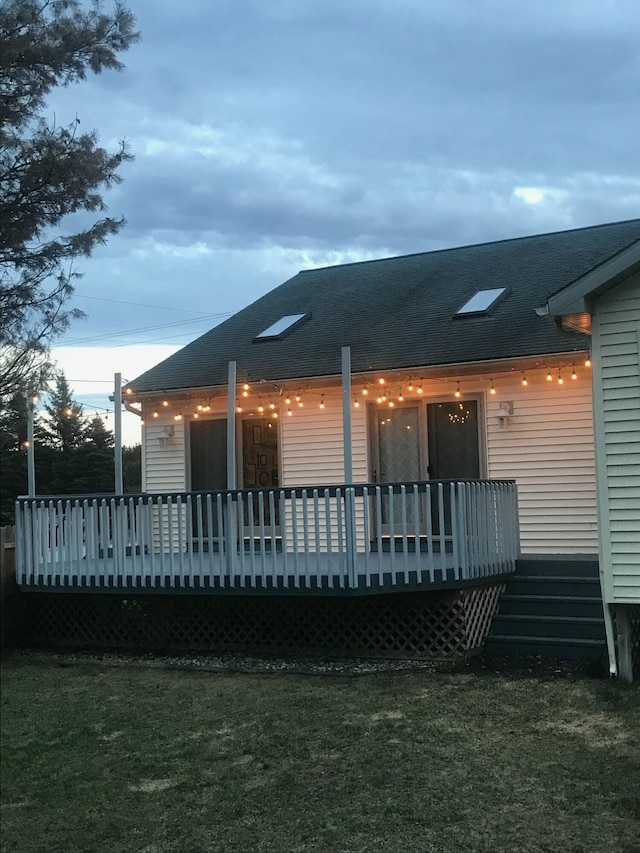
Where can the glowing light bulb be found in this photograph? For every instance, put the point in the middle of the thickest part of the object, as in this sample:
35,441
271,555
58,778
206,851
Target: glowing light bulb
261,408
297,398
155,414
560,379
524,379
380,400
492,390
549,376
275,414
420,388
245,387
365,391
200,407
177,417
288,401
289,412
300,404
322,401
165,402
400,398
574,375
381,380
410,385
245,393
457,392
356,404
68,411
26,444
142,421
207,408
391,404
239,409
196,415
587,362
272,405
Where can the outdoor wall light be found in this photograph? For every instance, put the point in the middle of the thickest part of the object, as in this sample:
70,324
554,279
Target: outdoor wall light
505,411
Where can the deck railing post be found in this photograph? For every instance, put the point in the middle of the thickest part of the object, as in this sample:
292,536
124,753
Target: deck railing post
350,536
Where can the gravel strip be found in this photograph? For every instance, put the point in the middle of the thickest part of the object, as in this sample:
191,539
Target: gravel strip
233,662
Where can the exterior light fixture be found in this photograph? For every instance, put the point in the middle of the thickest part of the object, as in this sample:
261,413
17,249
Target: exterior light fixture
524,379
165,403
587,362
381,380
560,379
549,376
574,375
365,391
155,414
457,392
492,390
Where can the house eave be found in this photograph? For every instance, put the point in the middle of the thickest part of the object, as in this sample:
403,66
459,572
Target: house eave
450,371
576,298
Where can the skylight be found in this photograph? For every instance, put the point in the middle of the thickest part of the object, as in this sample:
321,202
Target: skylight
482,301
281,326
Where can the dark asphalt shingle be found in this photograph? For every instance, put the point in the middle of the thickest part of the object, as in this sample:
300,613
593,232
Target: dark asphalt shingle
398,312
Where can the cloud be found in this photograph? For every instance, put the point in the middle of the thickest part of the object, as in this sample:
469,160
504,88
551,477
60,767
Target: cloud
274,136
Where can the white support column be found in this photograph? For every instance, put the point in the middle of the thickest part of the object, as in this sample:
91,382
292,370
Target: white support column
117,432
346,414
231,427
31,465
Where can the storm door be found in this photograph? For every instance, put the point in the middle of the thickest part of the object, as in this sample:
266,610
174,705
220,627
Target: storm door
397,435
208,443
261,465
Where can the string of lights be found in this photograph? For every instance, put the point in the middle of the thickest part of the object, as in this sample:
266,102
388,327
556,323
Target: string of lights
267,398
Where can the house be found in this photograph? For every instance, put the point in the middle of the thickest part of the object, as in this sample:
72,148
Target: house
605,303
362,429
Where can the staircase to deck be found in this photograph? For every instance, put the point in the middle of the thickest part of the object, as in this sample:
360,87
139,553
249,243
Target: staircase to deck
552,607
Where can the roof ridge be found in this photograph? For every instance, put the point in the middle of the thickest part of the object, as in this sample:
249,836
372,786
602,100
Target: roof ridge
471,245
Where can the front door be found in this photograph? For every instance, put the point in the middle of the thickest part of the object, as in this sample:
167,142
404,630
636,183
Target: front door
451,451
398,444
208,441
452,437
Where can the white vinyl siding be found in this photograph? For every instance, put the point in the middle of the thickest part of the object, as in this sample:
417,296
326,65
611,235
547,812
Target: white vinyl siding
165,469
547,448
616,352
311,441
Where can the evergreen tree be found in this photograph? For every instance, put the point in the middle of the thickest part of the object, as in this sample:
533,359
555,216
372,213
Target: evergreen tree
48,171
64,432
132,469
95,460
13,455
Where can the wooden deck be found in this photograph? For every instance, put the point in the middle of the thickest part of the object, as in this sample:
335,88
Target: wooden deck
333,540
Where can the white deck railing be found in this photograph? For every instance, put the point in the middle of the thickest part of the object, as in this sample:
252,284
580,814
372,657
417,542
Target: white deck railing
333,537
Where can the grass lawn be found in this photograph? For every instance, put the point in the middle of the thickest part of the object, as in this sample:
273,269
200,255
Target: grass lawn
96,758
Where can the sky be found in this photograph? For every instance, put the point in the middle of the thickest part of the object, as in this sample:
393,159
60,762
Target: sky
271,137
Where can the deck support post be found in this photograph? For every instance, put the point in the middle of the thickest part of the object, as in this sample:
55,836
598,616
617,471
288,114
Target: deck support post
117,433
625,650
231,427
346,415
350,514
31,464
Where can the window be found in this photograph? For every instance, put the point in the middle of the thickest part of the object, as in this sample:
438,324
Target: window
482,301
281,327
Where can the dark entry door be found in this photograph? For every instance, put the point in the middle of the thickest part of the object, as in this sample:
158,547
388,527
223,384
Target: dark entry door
208,455
452,434
208,440
454,452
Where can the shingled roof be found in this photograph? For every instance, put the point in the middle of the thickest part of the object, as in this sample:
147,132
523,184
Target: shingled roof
399,313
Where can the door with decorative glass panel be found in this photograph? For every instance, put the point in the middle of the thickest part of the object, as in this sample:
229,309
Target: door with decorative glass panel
436,440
